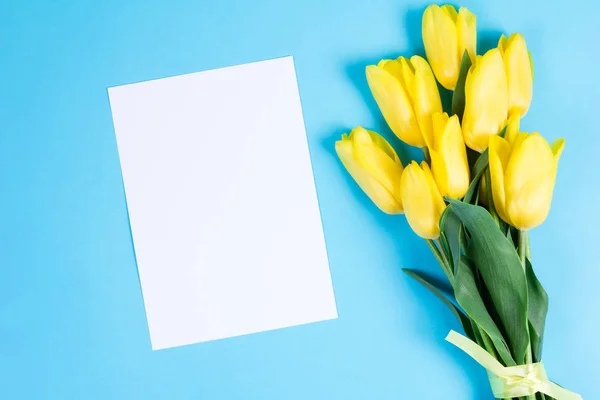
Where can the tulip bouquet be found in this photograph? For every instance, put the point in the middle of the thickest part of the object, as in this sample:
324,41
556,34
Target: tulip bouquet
483,184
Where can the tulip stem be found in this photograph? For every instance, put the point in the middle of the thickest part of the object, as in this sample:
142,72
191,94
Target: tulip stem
444,256
523,248
441,259
490,197
523,245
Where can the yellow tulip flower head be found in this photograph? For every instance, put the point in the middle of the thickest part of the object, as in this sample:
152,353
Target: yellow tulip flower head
449,163
523,170
406,93
423,203
374,165
486,100
519,73
446,35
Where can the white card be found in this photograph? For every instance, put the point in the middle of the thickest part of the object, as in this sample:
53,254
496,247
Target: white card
222,203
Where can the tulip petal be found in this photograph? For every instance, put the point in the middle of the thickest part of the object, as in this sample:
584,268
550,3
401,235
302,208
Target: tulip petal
450,11
436,197
440,171
395,105
557,148
531,205
512,129
454,153
426,97
383,168
401,71
379,142
529,181
382,144
448,154
432,186
531,63
407,76
499,154
374,190
441,43
421,210
466,28
439,121
519,138
486,100
391,66
502,44
519,74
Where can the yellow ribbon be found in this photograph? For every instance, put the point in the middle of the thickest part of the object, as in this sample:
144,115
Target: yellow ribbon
517,381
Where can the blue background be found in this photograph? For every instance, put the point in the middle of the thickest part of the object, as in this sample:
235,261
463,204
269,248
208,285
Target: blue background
72,323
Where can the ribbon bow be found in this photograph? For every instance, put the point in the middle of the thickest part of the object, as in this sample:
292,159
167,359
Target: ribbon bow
517,381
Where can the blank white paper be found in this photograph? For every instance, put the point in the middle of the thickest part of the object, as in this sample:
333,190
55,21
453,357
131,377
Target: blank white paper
222,203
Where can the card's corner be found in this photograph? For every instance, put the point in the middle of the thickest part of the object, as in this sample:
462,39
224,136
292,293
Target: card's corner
111,90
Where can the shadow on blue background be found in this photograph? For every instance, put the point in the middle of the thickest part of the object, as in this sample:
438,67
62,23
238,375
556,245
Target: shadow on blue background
487,39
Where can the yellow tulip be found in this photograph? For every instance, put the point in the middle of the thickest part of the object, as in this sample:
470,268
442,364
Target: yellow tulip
449,163
519,73
374,165
446,35
407,94
523,170
486,100
423,203
512,129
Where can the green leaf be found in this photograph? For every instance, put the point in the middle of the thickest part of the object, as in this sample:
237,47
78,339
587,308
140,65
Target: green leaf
500,268
477,333
446,247
451,227
462,318
477,172
458,98
468,297
538,309
481,164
